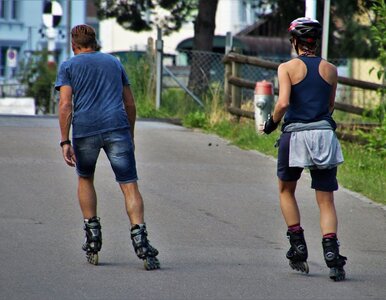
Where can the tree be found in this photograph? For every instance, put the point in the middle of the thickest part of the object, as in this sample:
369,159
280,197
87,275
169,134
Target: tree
204,27
39,76
378,30
140,15
349,35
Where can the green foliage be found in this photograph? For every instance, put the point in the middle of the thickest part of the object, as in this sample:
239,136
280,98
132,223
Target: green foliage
141,15
348,36
376,141
378,30
39,76
197,119
176,103
142,80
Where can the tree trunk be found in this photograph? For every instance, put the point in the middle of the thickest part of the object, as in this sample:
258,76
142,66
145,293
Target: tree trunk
204,27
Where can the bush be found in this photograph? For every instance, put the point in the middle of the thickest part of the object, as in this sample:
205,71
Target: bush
197,119
39,76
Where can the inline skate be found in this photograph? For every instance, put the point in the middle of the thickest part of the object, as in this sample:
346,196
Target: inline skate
333,259
297,254
142,247
93,239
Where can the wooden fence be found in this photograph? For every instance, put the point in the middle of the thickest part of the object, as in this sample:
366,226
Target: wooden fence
233,84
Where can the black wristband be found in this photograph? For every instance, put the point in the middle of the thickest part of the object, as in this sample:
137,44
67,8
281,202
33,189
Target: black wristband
66,142
270,125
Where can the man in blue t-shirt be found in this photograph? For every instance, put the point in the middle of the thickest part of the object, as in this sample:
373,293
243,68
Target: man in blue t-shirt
96,100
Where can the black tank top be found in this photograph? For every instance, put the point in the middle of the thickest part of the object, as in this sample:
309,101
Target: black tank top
309,99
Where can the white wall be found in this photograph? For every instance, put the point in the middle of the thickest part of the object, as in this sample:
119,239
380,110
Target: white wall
17,106
114,38
227,16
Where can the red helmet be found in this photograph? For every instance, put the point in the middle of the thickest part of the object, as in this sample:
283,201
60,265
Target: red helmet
306,30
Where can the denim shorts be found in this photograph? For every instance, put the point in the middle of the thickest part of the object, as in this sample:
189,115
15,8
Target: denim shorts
322,179
119,149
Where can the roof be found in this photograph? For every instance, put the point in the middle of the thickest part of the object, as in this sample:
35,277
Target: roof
219,42
255,45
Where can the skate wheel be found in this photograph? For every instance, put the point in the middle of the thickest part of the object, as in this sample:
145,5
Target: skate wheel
337,274
92,258
301,266
151,263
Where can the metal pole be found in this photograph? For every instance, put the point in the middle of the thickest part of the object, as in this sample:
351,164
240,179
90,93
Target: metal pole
228,42
68,27
326,28
159,48
51,45
311,9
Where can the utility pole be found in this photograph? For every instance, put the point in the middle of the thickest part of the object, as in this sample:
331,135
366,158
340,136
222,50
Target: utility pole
326,28
68,27
311,9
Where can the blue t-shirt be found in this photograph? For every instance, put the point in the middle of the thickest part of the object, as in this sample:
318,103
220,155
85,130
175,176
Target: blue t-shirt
97,81
310,98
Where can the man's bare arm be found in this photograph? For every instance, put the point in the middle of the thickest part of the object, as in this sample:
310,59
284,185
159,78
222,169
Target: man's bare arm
129,103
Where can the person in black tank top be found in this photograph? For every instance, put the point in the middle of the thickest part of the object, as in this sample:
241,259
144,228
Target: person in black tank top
307,86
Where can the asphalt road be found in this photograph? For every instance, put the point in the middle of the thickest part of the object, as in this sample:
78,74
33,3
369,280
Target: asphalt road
212,211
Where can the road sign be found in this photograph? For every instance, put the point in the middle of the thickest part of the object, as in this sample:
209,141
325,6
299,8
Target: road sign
11,58
52,14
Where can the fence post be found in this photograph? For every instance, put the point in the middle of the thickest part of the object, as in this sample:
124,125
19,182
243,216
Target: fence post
236,91
227,86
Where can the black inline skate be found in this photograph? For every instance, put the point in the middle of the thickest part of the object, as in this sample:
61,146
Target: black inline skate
143,249
298,253
93,239
333,259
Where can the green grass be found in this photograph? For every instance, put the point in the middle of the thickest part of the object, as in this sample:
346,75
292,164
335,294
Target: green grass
363,171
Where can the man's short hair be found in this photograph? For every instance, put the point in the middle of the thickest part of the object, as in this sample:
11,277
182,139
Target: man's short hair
84,36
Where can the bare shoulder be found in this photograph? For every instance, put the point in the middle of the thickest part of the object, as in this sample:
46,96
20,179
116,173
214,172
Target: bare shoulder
328,71
296,70
328,65
291,65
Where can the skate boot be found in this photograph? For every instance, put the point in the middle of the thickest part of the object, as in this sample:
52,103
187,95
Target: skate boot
298,253
333,259
93,240
142,247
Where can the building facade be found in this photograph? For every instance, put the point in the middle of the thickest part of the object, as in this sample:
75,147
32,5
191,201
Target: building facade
22,31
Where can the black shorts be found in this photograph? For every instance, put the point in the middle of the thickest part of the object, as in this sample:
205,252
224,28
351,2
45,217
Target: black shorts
322,179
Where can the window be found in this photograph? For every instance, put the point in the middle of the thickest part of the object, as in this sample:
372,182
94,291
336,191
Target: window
3,57
14,8
2,9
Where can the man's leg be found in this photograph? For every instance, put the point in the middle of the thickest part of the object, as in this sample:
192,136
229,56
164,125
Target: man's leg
138,232
87,197
133,202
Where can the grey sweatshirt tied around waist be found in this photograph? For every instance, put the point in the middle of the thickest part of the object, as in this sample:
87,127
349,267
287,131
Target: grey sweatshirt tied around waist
314,146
